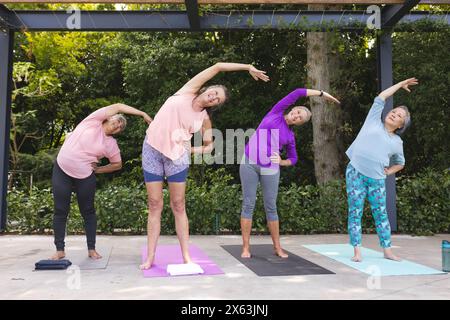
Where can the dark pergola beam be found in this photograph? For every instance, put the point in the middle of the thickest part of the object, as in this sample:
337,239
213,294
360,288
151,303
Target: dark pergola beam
392,14
298,20
192,11
7,18
210,21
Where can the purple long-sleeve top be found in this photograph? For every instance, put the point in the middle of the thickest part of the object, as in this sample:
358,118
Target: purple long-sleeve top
273,134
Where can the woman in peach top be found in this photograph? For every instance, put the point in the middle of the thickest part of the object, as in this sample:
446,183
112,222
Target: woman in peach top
76,166
166,149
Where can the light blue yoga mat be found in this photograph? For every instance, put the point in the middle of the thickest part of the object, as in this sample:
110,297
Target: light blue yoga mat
373,262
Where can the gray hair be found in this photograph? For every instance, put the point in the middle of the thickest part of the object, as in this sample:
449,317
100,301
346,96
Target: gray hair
308,112
121,118
407,122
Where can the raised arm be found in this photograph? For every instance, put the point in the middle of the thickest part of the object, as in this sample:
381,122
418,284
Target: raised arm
317,93
288,100
402,84
293,96
193,85
123,108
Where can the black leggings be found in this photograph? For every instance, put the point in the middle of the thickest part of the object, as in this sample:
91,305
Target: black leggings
63,185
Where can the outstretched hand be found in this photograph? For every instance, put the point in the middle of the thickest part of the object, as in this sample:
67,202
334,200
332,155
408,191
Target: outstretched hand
147,118
329,97
409,82
258,74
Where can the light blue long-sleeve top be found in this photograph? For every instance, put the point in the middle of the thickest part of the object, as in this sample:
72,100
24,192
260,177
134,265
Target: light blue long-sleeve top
375,148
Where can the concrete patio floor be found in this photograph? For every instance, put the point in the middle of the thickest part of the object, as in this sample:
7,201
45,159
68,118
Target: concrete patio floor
123,280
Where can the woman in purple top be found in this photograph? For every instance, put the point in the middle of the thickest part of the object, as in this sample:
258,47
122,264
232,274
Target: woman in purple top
262,161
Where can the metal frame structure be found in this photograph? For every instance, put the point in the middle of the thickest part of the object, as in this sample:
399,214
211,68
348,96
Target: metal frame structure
191,20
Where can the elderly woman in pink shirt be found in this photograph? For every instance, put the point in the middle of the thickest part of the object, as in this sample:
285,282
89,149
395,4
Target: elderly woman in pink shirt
166,149
76,166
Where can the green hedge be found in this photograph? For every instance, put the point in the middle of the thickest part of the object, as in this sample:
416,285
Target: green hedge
424,203
214,207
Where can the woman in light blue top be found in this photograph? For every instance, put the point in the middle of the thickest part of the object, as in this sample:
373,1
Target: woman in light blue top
376,153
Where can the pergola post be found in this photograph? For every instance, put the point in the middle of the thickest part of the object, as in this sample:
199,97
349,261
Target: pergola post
385,80
192,11
6,47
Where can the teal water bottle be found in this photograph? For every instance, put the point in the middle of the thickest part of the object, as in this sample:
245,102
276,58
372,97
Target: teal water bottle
445,256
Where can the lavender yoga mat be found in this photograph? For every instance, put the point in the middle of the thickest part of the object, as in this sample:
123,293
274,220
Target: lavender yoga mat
171,254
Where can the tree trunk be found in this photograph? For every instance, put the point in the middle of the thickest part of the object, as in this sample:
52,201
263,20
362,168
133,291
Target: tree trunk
322,70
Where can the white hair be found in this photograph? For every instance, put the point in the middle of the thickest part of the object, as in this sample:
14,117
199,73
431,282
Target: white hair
121,118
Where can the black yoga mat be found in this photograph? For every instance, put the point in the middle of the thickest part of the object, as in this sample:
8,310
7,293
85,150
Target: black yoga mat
264,262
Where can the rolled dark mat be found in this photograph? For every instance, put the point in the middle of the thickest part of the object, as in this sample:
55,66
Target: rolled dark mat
52,264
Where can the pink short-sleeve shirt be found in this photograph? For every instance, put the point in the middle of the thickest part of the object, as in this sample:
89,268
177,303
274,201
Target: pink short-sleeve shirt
174,124
87,144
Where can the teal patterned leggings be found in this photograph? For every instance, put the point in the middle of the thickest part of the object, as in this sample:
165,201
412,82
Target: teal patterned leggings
358,187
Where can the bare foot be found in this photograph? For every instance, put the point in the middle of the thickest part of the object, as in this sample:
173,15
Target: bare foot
279,252
187,260
389,255
246,253
357,257
94,255
58,255
147,264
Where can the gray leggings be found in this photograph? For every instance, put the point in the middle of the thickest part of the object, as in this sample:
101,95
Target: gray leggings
250,175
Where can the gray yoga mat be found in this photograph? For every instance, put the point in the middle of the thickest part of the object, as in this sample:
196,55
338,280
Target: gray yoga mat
79,257
265,263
